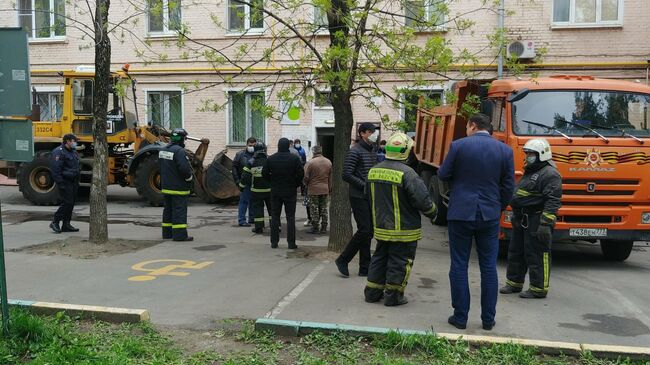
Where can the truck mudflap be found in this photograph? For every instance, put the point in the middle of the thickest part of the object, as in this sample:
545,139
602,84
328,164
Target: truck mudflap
590,234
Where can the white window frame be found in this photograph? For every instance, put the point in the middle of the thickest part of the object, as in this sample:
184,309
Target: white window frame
247,21
598,24
322,28
165,13
50,90
428,10
164,90
32,36
402,109
227,92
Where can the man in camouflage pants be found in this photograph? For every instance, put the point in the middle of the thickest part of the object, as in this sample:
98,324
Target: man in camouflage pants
318,179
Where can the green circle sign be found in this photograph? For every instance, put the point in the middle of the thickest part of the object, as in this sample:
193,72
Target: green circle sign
293,113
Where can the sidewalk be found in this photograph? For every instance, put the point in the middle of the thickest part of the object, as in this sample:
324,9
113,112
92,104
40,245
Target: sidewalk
229,272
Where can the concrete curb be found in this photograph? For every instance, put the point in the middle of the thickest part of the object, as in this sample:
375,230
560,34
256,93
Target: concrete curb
298,328
107,314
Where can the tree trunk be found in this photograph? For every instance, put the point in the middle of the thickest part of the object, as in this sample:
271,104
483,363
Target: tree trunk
98,214
341,227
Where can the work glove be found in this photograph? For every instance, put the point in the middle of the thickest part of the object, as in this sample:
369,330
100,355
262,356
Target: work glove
433,216
544,233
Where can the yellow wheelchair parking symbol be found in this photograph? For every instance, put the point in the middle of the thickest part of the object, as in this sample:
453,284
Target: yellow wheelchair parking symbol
166,267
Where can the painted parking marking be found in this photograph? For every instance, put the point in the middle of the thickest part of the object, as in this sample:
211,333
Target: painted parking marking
168,267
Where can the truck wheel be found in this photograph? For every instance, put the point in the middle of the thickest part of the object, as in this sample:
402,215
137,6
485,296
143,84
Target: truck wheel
616,250
35,180
147,180
434,192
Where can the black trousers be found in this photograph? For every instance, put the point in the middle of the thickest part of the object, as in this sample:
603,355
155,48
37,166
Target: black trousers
390,268
174,219
361,240
68,191
258,201
527,253
289,202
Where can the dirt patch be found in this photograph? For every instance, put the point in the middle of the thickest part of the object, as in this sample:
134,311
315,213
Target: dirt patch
221,340
312,252
80,248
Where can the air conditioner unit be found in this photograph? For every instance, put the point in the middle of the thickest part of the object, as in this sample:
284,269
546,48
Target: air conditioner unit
522,49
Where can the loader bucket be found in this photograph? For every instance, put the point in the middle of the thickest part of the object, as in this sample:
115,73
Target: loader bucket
218,183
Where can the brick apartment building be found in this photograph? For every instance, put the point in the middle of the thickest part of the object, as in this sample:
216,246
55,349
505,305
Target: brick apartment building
605,38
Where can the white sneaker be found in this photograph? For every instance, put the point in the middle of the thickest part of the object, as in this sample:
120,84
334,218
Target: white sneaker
307,223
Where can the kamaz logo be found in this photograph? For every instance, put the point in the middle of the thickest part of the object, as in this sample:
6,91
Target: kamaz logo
592,169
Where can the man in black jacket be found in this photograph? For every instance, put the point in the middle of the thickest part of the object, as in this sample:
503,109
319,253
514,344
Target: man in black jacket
284,172
65,172
238,163
361,157
176,181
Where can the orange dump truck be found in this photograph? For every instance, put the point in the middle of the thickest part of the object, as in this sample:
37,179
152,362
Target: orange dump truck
600,137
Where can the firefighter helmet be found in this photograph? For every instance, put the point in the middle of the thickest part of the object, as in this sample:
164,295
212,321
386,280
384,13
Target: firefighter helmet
178,135
398,147
541,147
259,146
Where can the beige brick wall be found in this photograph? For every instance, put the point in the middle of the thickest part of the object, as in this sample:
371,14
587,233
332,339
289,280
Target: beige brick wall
530,20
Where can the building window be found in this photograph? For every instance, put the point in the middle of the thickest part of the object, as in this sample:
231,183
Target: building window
82,96
243,17
424,13
246,116
164,16
320,18
323,99
410,99
165,109
42,18
51,104
587,12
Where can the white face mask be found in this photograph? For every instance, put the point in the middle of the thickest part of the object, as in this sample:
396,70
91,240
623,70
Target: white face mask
373,137
297,145
531,160
250,149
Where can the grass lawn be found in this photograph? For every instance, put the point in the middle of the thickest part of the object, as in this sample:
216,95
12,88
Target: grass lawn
63,340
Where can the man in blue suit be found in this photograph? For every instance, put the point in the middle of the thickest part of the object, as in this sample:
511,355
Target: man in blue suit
480,170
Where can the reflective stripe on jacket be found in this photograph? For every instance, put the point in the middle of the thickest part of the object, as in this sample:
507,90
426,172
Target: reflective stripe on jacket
252,175
540,187
397,196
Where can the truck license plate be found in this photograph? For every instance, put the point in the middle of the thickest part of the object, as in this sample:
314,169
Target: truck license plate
588,232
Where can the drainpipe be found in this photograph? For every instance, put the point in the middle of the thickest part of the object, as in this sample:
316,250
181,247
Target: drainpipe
501,15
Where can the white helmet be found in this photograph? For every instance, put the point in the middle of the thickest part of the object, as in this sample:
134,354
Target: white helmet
541,146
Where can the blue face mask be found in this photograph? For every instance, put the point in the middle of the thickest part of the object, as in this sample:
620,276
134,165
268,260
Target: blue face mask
73,145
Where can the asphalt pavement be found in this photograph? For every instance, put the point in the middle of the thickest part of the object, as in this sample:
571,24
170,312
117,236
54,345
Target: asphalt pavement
229,272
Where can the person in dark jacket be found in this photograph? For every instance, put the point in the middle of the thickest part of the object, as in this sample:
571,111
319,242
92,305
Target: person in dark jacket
534,205
284,172
260,189
176,181
360,158
480,170
239,162
397,196
301,151
381,151
65,172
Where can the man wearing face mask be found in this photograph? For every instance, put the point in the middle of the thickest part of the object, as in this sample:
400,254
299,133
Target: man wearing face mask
534,205
65,172
239,162
361,157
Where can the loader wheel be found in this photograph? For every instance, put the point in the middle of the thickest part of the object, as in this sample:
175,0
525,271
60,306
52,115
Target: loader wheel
616,250
35,180
147,180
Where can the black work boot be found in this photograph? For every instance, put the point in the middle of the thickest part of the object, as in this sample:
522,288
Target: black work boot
528,294
323,228
313,230
373,295
67,227
343,268
394,298
55,227
507,289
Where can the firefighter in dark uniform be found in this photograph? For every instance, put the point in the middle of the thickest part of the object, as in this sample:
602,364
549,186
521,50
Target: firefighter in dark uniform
535,204
397,195
175,181
260,188
65,172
